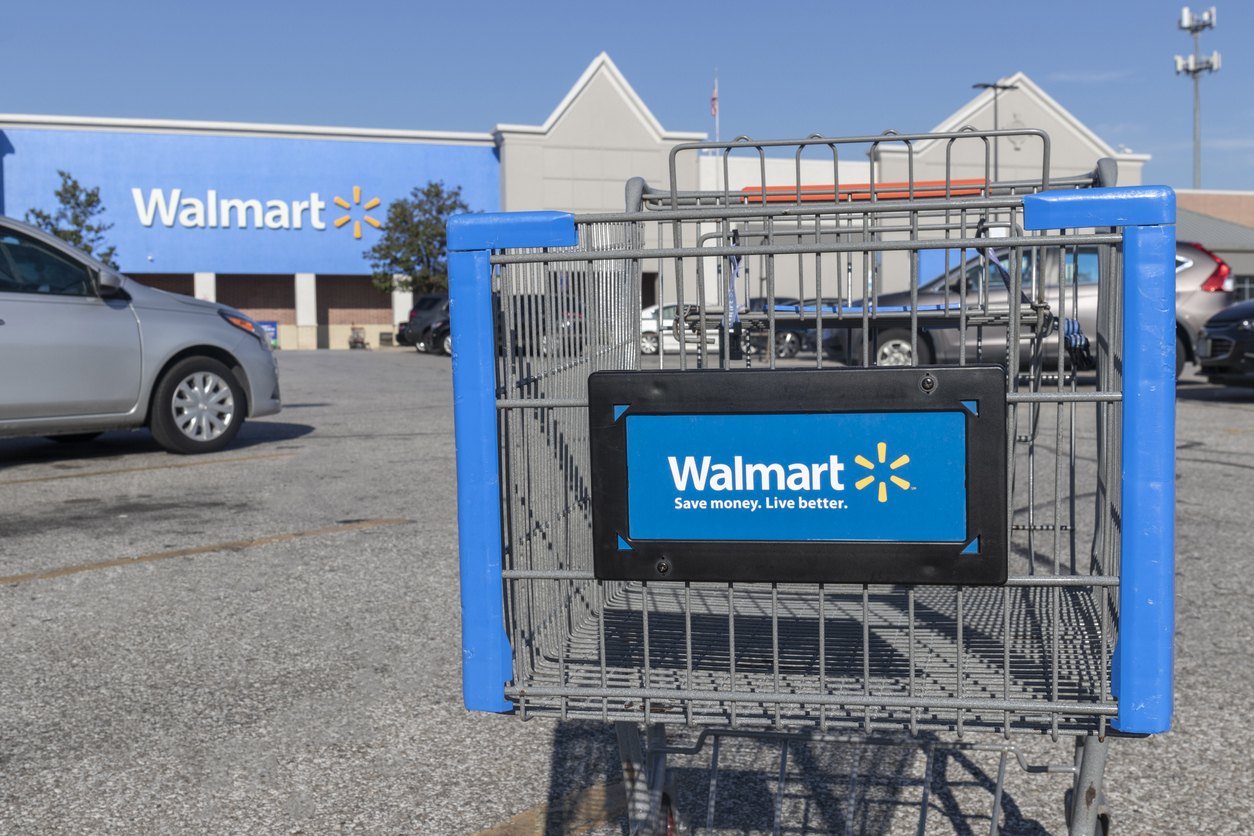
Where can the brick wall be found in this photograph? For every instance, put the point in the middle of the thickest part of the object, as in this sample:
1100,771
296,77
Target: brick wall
1237,207
172,282
352,300
342,300
267,298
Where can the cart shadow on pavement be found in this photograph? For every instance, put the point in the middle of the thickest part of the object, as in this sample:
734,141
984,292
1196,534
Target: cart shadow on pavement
820,794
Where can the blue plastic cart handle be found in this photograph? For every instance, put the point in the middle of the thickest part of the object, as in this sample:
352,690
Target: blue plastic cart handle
1141,671
487,659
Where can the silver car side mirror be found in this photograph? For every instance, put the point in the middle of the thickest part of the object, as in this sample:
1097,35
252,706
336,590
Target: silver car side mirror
110,283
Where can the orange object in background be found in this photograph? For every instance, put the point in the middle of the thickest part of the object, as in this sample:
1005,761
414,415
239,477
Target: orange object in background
862,191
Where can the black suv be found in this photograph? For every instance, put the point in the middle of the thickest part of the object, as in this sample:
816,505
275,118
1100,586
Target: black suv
428,325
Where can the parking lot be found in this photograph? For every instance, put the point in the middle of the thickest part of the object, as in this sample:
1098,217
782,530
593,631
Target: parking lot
266,640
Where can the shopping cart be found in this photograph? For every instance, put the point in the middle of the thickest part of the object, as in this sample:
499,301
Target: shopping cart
1072,638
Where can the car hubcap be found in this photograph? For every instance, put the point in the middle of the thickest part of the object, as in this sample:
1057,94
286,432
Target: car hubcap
203,406
895,353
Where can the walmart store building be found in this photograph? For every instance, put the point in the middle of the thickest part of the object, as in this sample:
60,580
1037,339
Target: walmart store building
275,219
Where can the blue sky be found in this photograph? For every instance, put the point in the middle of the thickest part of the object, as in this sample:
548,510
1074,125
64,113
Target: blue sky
785,70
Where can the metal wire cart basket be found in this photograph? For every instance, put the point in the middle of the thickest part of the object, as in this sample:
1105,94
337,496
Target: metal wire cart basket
1059,291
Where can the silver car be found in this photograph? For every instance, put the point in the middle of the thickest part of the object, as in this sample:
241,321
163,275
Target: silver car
84,349
657,332
1203,287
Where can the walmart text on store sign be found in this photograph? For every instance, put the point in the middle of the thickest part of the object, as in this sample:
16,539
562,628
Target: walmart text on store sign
215,212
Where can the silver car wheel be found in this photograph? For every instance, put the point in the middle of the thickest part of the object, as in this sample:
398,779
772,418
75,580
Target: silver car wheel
203,406
648,343
787,344
894,352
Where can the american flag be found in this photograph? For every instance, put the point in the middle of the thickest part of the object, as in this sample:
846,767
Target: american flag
714,99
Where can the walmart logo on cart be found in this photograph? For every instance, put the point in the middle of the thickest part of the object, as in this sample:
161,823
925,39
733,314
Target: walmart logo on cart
218,212
799,477
831,476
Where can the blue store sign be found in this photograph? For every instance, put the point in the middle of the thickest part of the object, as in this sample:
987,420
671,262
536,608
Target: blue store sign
183,203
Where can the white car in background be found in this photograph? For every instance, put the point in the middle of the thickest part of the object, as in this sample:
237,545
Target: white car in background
658,331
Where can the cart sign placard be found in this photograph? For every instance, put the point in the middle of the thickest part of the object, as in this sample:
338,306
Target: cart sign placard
860,476
846,475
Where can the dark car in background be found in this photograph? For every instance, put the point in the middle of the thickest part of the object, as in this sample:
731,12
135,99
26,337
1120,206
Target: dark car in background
427,328
1225,346
790,337
1204,287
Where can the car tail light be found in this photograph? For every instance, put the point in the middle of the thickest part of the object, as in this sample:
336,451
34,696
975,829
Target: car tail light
1221,279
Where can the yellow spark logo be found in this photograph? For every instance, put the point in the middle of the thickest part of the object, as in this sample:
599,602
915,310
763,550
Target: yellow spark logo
882,450
344,204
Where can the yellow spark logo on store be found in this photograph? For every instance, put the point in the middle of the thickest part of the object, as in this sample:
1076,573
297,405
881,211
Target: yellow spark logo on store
344,204
882,454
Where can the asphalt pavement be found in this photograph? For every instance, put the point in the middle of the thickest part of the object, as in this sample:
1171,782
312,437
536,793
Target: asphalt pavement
266,640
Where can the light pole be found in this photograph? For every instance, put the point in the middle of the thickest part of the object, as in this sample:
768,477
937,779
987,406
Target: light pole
1195,65
996,88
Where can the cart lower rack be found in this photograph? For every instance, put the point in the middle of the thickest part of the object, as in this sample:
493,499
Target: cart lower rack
1077,641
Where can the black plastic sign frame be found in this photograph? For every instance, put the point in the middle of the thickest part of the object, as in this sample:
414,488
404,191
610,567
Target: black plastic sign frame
614,395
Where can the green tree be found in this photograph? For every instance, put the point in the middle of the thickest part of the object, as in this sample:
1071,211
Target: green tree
413,252
72,221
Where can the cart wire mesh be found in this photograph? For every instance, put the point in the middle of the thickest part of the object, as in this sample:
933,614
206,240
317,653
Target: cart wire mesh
839,266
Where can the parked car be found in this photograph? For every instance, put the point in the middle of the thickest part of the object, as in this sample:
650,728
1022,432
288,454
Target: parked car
1203,287
428,324
438,338
790,337
1225,346
86,349
657,331
651,326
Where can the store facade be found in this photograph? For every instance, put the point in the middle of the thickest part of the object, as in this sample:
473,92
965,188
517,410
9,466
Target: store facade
276,219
